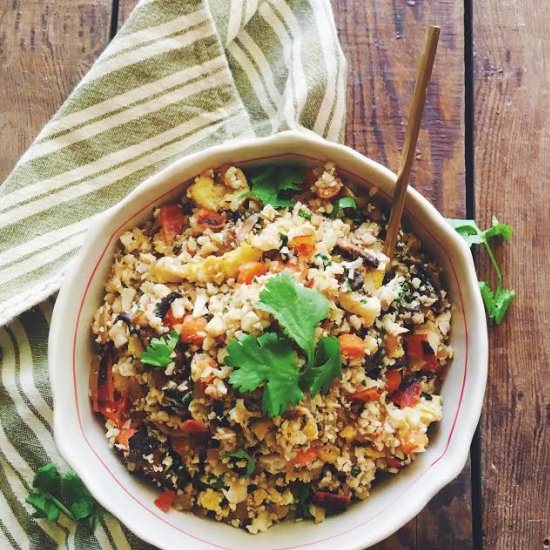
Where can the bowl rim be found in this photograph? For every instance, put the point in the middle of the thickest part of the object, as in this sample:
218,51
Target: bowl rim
454,462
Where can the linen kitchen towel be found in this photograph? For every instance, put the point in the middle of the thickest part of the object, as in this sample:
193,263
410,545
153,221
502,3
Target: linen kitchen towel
181,75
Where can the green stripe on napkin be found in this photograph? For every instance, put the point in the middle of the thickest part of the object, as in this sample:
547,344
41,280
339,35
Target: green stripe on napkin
180,76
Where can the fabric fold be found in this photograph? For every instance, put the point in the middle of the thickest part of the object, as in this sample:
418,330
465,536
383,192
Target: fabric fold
178,77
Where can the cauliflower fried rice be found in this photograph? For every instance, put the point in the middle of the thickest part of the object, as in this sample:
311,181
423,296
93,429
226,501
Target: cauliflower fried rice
188,282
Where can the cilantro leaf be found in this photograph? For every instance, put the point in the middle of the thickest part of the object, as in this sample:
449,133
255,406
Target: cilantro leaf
275,185
159,351
243,455
499,230
497,302
468,230
297,308
267,361
327,366
341,203
54,494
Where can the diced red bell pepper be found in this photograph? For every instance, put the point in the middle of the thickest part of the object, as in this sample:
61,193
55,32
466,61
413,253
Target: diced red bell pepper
419,349
407,396
393,380
330,501
170,319
196,429
392,462
172,221
209,219
370,394
165,500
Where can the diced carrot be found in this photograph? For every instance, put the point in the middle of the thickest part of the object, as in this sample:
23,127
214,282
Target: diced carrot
418,348
393,380
194,428
331,501
304,245
172,221
351,346
305,456
250,270
407,396
209,219
170,319
124,436
165,500
415,442
193,330
370,394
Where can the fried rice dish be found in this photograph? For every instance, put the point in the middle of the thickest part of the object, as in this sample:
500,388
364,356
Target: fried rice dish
257,356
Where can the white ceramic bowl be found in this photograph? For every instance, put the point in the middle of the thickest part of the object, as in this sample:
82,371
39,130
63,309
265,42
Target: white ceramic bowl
80,437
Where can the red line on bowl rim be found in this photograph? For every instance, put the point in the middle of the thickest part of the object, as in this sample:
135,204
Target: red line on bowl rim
312,543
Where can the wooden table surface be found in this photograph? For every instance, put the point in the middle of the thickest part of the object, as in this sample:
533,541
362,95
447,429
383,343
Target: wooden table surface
484,149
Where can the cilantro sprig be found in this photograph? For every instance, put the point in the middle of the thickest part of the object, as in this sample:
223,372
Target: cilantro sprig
159,351
496,301
270,362
275,185
54,493
341,203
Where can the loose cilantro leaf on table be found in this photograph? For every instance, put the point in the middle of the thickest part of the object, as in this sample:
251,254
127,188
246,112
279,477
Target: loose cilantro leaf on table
496,301
159,351
243,455
275,185
54,494
327,366
268,361
297,308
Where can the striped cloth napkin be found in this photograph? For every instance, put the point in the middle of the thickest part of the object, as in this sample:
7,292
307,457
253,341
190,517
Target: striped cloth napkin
180,76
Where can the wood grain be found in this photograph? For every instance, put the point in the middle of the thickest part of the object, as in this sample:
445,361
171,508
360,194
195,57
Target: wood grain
381,41
512,161
46,46
125,7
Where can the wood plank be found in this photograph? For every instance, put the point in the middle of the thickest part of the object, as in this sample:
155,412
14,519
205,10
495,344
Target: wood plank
512,165
46,46
125,7
381,41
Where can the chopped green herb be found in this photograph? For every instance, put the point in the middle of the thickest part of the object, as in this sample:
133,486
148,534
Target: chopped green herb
216,482
159,351
325,259
496,301
302,499
355,470
54,494
177,248
327,366
268,361
187,398
297,308
284,239
341,203
241,454
275,185
305,214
